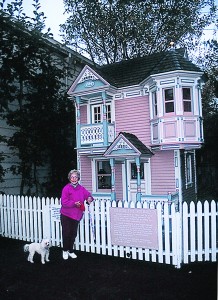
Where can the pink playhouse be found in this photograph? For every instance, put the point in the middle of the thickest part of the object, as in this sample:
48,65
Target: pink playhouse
138,126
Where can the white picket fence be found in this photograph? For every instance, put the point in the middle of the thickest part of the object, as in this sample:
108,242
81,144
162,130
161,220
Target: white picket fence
184,236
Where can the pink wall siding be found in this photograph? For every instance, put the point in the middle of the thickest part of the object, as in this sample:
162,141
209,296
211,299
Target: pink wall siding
86,172
83,114
162,172
132,116
118,182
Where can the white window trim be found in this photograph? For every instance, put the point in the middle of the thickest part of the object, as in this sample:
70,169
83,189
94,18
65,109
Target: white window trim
153,106
191,100
92,106
92,113
95,177
174,100
188,168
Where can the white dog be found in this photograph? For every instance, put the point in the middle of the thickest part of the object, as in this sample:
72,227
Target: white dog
41,248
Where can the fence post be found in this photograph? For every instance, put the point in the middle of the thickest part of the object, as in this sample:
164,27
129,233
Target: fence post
179,238
46,227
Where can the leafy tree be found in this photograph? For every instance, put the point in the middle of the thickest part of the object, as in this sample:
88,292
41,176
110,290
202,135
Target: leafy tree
112,30
31,84
2,171
207,160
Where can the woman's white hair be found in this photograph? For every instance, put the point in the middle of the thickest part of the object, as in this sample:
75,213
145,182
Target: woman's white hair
74,172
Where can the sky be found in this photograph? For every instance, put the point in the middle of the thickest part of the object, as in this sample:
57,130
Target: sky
54,11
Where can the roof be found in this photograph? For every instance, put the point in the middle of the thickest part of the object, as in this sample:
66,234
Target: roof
136,143
136,70
127,144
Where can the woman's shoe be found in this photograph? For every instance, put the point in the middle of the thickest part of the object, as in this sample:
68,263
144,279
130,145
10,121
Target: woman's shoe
65,254
72,255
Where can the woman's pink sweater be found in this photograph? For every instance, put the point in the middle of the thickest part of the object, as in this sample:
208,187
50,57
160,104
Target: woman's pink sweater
69,196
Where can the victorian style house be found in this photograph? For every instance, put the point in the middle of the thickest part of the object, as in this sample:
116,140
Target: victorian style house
139,124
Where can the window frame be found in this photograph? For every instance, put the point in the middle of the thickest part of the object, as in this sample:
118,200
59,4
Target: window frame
99,119
154,104
109,112
133,171
185,101
169,101
94,119
188,169
102,175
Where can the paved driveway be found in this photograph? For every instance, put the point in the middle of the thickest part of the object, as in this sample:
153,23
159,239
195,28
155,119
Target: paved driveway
92,277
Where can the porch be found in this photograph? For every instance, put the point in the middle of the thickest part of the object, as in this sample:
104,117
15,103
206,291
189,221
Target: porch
153,200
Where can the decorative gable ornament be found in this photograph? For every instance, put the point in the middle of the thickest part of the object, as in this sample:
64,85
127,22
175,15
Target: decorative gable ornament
122,145
88,83
87,76
127,145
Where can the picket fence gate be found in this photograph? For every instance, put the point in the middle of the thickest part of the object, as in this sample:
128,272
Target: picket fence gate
184,236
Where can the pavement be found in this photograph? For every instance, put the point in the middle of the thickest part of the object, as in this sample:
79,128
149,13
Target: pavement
99,277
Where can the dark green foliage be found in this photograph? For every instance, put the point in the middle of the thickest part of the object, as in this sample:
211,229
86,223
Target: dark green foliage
207,159
112,30
33,102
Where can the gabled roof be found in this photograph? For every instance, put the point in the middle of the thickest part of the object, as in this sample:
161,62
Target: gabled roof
88,81
134,71
127,145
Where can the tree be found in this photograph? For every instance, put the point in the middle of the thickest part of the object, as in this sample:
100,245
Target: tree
2,171
31,84
207,160
112,30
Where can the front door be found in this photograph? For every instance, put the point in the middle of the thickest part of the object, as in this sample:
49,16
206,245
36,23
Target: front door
132,179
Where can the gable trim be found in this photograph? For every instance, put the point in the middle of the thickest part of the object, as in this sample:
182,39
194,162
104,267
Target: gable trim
90,75
122,147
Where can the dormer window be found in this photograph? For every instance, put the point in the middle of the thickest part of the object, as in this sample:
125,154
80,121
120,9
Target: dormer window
186,98
169,100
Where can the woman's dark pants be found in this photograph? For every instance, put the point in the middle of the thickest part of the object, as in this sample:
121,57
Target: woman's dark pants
69,232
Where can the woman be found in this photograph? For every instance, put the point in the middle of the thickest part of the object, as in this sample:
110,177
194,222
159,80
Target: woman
72,207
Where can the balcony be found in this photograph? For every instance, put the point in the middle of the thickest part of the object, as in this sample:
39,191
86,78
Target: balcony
96,134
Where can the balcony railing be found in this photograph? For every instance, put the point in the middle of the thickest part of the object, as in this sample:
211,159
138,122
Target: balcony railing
94,133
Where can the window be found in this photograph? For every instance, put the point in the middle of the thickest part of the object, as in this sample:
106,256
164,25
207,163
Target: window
134,171
188,169
186,96
103,175
169,100
108,113
97,113
154,103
